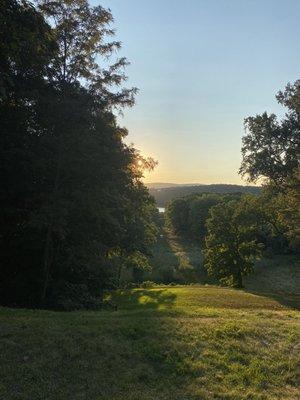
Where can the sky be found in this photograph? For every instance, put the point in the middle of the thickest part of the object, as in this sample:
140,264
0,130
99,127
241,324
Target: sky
201,67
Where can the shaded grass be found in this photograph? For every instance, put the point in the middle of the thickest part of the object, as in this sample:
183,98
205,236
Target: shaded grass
176,260
277,277
180,342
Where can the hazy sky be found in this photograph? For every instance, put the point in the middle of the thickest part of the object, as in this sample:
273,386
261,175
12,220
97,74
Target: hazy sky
202,66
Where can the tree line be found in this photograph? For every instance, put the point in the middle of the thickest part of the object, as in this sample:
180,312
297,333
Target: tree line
164,195
235,230
74,211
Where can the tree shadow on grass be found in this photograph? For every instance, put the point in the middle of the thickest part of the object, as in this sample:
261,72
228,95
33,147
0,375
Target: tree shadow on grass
108,355
176,260
139,299
153,338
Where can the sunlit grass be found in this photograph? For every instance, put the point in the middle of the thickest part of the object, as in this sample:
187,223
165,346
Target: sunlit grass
183,342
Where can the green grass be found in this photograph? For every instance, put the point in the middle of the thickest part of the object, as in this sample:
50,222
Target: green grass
277,277
182,342
175,260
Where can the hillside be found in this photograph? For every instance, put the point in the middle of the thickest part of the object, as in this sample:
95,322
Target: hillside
164,194
177,260
182,342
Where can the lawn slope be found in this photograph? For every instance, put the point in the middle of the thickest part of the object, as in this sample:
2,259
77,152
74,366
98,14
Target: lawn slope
182,342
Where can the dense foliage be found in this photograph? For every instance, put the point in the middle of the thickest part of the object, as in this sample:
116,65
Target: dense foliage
71,196
231,242
187,215
271,149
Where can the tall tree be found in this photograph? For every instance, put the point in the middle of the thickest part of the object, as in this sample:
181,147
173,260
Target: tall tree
271,151
85,198
26,48
271,148
82,33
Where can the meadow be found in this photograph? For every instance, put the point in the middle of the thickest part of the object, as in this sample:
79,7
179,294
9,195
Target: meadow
166,342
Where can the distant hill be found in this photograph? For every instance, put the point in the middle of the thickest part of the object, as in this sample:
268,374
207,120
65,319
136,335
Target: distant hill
163,185
163,194
160,185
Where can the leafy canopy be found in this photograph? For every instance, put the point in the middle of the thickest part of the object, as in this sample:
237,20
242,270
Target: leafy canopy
231,241
271,148
82,32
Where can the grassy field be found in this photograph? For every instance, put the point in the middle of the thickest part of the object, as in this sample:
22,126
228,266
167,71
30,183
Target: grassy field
181,261
182,342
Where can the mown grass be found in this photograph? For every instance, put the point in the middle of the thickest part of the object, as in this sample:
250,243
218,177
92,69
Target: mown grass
183,342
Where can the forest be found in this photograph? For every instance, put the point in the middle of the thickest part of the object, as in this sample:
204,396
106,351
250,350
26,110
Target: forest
81,233
163,195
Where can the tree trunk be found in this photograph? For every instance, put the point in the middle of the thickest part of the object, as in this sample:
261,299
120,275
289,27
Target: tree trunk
239,279
119,274
48,253
47,263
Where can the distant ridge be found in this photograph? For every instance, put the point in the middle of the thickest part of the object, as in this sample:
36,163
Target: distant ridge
163,194
162,185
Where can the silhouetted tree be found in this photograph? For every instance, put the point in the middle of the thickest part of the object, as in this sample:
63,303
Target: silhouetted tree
26,49
79,197
271,149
